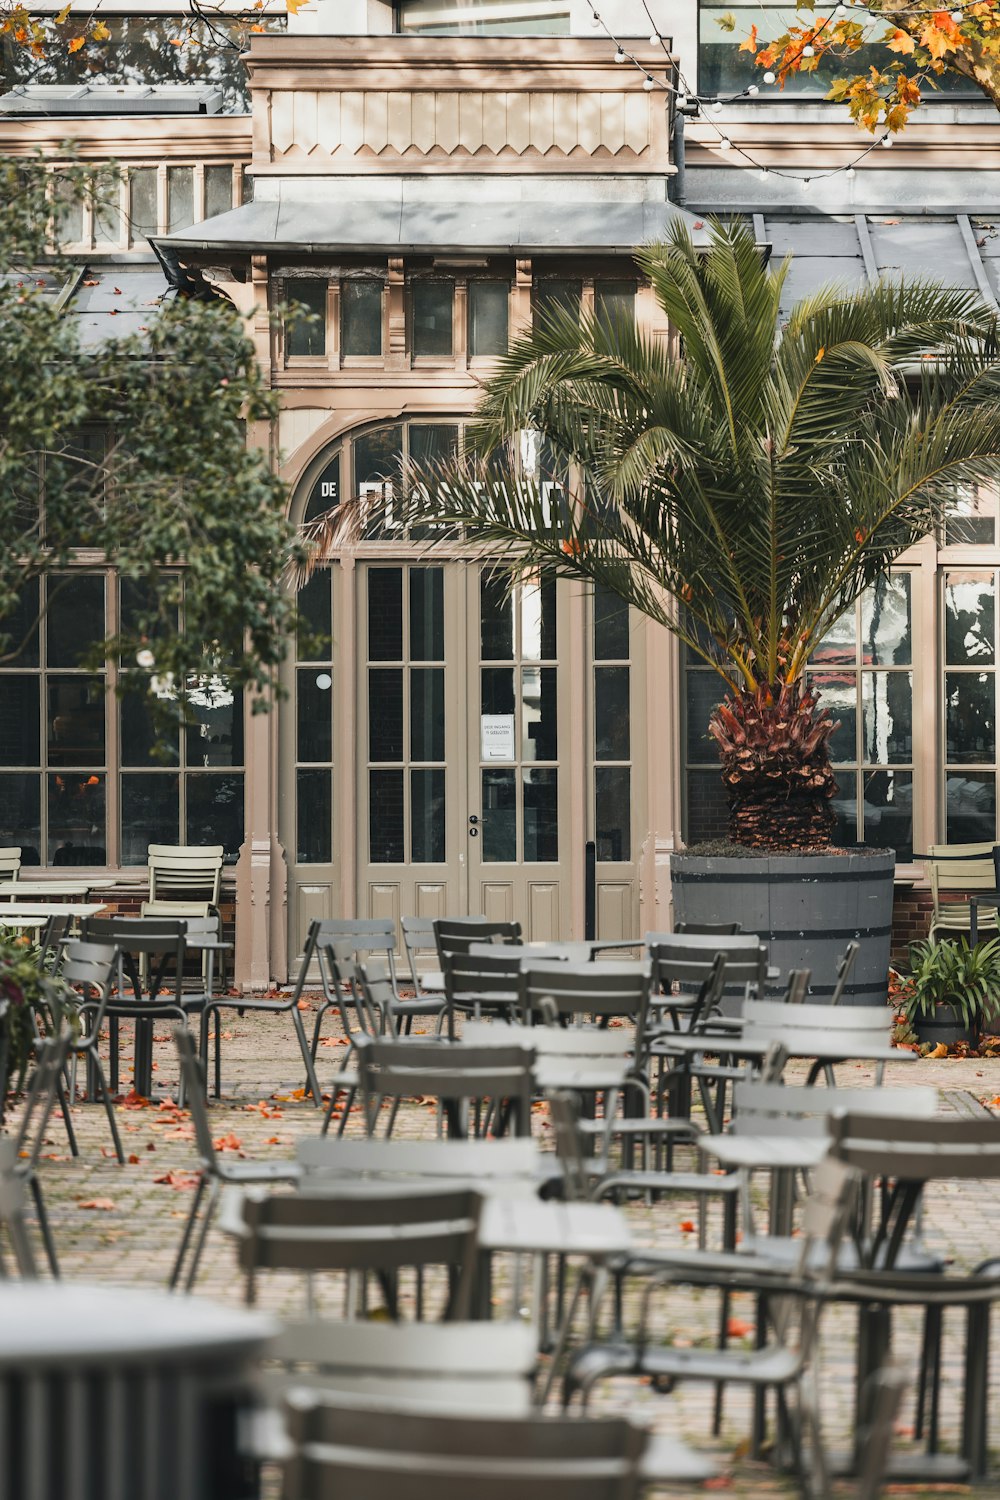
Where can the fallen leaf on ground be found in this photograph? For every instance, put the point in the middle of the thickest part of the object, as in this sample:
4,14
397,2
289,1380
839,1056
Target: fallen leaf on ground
737,1329
940,1050
228,1142
177,1179
132,1100
104,1205
687,1226
133,1160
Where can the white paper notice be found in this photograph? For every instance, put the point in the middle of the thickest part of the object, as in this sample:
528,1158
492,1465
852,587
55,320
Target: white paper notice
497,736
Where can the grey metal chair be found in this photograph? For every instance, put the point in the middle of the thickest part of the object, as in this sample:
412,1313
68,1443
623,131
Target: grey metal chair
457,1075
20,1153
707,929
398,1015
456,934
216,1172
372,937
94,969
481,984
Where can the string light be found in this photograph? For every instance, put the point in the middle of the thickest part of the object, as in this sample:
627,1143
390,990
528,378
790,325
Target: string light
683,94
808,51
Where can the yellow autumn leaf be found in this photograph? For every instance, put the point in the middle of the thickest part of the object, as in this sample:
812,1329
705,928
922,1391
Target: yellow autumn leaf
900,41
76,42
63,15
749,44
294,6
935,41
100,32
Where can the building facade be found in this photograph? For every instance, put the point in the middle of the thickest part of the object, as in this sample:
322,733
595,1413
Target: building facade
423,178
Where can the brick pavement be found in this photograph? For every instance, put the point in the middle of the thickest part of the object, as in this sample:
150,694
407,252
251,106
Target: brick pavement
131,1237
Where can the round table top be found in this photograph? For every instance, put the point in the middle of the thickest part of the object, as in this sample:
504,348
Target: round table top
63,1323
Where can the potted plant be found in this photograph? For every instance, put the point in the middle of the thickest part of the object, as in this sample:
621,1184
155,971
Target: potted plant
954,990
31,1002
741,484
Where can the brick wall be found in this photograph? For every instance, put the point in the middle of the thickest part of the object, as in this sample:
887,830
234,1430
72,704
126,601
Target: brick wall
911,918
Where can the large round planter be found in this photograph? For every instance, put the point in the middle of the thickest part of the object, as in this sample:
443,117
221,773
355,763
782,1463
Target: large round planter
806,907
946,1025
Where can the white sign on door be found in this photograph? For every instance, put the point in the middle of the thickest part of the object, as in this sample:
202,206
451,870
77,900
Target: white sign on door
497,736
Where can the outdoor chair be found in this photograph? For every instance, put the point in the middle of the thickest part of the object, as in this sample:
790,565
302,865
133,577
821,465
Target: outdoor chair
20,1153
397,1014
705,929
94,969
676,960
185,880
215,1171
365,936
957,870
456,1074
481,983
341,1448
456,934
10,863
360,1007
845,965
841,1033
366,1230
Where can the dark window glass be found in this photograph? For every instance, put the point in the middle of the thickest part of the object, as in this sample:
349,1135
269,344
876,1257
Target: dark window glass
20,815
612,813
150,814
539,714
844,807
216,739
886,633
306,335
427,817
315,625
246,185
887,717
497,691
76,819
426,714
970,521
385,713
215,811
488,307
361,317
557,295
969,619
75,617
499,816
325,493
838,692
433,304
75,721
888,812
614,302
385,817
218,191
20,742
970,717
134,602
611,640
611,713
385,614
314,812
433,442
377,455
142,206
538,620
971,806
180,198
136,729
707,807
497,617
314,703
20,628
541,816
705,690
426,614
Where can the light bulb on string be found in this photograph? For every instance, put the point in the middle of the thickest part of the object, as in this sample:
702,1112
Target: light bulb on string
725,144
768,77
808,51
648,84
619,56
958,16
752,89
717,107
764,174
806,184
595,19
654,39
850,172
886,142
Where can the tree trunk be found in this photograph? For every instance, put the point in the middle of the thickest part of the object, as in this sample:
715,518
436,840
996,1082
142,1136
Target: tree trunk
774,745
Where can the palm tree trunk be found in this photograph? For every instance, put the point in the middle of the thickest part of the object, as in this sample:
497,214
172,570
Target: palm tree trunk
774,745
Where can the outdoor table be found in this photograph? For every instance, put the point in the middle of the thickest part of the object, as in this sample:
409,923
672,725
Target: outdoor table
824,1053
142,1067
577,951
28,890
147,1384
571,1057
37,913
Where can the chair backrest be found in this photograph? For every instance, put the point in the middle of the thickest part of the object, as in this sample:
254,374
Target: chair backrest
363,935
348,1448
706,929
455,934
94,968
961,868
859,1030
419,941
13,1202
363,1229
688,961
358,1004
390,1069
780,1109
845,964
162,938
569,992
53,938
185,868
564,1114
797,987
481,980
325,1157
10,862
193,1078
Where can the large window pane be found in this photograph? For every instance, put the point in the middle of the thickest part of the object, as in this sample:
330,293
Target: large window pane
218,191
361,317
142,209
215,811
498,819
426,714
313,815
216,739
315,626
19,629
77,819
614,303
433,304
705,690
385,713
496,635
75,721
75,617
138,738
150,814
707,807
497,690
539,714
887,717
970,717
427,817
611,713
970,522
888,812
886,630
306,336
969,619
612,813
180,198
538,620
20,815
426,614
385,817
541,816
385,614
838,693
486,18
557,295
844,807
970,806
838,646
107,209
20,740
611,640
314,715
488,302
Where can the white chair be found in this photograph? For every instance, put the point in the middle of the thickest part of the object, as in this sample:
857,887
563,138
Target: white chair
10,863
964,869
178,873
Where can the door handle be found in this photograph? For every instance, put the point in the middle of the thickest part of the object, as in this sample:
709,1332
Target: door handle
473,826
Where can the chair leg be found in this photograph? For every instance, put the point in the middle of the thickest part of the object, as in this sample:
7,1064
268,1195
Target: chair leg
109,1108
44,1226
189,1224
307,1057
317,1027
213,1198
62,1094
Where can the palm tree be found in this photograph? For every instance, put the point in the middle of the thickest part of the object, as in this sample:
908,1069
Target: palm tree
740,483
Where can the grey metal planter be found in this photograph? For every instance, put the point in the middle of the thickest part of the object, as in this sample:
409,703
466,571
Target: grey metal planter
945,1025
807,907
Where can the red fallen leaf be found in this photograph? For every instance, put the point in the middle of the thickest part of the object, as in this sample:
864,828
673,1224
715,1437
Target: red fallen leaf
687,1226
182,1133
103,1205
273,1140
133,1160
699,223
304,1005
150,1145
94,282
132,1100
118,291
178,1180
737,1329
229,1142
